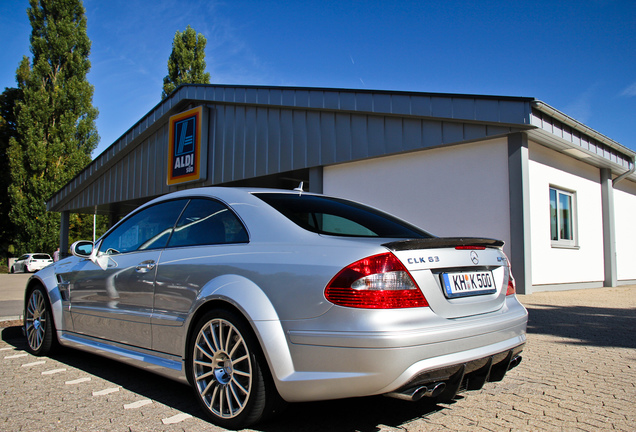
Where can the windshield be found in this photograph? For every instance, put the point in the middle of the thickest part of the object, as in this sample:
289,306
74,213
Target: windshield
333,216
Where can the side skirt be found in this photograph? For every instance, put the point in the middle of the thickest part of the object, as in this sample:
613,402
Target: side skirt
166,365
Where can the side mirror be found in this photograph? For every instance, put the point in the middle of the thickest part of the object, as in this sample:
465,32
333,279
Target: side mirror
82,248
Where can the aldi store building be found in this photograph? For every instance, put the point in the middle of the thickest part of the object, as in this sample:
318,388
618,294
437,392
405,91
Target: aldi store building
561,195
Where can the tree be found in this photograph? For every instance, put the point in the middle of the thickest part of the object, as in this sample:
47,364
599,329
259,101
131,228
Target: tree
55,120
186,64
8,99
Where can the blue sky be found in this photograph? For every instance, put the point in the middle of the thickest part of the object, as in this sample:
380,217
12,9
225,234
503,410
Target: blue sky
577,56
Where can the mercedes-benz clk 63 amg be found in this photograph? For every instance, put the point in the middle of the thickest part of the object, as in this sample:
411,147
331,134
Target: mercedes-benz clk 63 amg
261,297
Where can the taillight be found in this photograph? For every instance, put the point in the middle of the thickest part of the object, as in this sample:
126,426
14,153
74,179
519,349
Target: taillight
377,282
468,247
512,288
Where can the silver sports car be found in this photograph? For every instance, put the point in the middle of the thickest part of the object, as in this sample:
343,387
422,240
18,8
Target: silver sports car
261,297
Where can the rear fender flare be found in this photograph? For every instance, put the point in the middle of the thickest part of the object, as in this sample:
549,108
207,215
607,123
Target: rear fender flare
253,303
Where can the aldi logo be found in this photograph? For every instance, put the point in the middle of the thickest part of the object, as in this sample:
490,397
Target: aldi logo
187,146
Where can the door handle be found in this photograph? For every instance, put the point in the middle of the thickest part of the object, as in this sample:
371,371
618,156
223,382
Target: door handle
146,266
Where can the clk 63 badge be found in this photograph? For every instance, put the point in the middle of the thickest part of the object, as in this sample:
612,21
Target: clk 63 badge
423,260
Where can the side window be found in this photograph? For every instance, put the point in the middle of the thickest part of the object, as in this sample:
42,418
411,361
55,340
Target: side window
206,222
562,218
148,229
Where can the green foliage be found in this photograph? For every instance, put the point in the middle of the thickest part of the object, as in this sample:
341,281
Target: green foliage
186,64
8,130
81,227
56,130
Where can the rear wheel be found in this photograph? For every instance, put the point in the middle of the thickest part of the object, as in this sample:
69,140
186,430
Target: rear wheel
228,371
38,323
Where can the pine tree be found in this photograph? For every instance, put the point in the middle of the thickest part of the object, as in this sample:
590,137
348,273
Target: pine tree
55,120
186,64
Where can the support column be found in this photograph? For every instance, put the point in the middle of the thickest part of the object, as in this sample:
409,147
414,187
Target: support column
609,229
520,239
64,225
315,180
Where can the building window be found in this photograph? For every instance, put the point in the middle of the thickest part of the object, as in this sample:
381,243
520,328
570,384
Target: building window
562,218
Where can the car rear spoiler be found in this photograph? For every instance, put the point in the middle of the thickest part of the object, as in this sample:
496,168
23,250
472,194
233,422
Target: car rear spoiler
443,242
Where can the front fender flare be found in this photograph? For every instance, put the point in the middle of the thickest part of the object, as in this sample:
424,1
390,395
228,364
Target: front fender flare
46,278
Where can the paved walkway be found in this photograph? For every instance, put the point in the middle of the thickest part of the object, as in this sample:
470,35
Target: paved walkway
578,374
578,371
12,295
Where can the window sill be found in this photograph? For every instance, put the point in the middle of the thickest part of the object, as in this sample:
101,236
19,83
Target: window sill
565,246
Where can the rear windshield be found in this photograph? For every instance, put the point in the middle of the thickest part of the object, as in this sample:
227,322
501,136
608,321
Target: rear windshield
41,257
333,216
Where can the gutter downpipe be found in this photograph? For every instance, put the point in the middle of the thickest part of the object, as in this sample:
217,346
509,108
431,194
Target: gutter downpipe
625,174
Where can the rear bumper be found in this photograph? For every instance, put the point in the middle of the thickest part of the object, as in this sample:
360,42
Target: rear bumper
352,364
470,375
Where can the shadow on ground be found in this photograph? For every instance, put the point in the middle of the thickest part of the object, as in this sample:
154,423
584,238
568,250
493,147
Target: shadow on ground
603,327
347,415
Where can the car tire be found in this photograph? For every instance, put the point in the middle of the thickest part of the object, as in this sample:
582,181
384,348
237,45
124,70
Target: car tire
12,269
38,323
229,373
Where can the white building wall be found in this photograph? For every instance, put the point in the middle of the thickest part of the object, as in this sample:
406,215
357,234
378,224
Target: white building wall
454,191
625,216
552,265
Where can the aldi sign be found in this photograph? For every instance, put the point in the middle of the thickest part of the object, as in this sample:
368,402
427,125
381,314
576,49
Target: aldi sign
187,146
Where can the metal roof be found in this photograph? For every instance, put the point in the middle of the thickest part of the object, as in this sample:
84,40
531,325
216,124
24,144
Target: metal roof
259,131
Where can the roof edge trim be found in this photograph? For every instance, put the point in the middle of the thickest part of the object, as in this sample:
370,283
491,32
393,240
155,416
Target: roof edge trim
577,125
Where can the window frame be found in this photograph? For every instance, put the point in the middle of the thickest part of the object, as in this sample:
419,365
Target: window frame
102,250
556,220
226,207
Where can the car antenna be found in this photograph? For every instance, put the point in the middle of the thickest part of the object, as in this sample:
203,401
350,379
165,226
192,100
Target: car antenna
300,188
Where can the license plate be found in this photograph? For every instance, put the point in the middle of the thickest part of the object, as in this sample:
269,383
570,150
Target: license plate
460,284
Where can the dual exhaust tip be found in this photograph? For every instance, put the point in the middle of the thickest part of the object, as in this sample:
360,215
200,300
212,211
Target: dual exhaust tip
434,389
416,393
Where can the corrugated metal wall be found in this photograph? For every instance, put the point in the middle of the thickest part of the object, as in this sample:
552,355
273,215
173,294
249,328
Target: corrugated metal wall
251,142
265,131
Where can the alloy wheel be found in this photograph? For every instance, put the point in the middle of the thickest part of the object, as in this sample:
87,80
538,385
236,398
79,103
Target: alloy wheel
222,366
35,320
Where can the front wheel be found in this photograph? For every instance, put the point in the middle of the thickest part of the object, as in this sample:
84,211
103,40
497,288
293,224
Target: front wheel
228,371
38,323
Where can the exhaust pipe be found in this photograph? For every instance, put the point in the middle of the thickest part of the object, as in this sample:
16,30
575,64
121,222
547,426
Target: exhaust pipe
416,393
514,362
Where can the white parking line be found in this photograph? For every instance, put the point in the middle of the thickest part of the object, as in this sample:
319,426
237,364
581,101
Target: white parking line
53,371
106,391
137,404
77,381
6,349
16,356
34,363
176,418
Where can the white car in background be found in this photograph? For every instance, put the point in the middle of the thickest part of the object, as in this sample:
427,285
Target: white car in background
31,262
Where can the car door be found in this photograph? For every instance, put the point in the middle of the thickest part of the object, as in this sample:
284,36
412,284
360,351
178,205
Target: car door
111,294
206,240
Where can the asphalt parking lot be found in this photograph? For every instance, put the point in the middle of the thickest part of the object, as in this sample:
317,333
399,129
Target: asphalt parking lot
578,373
